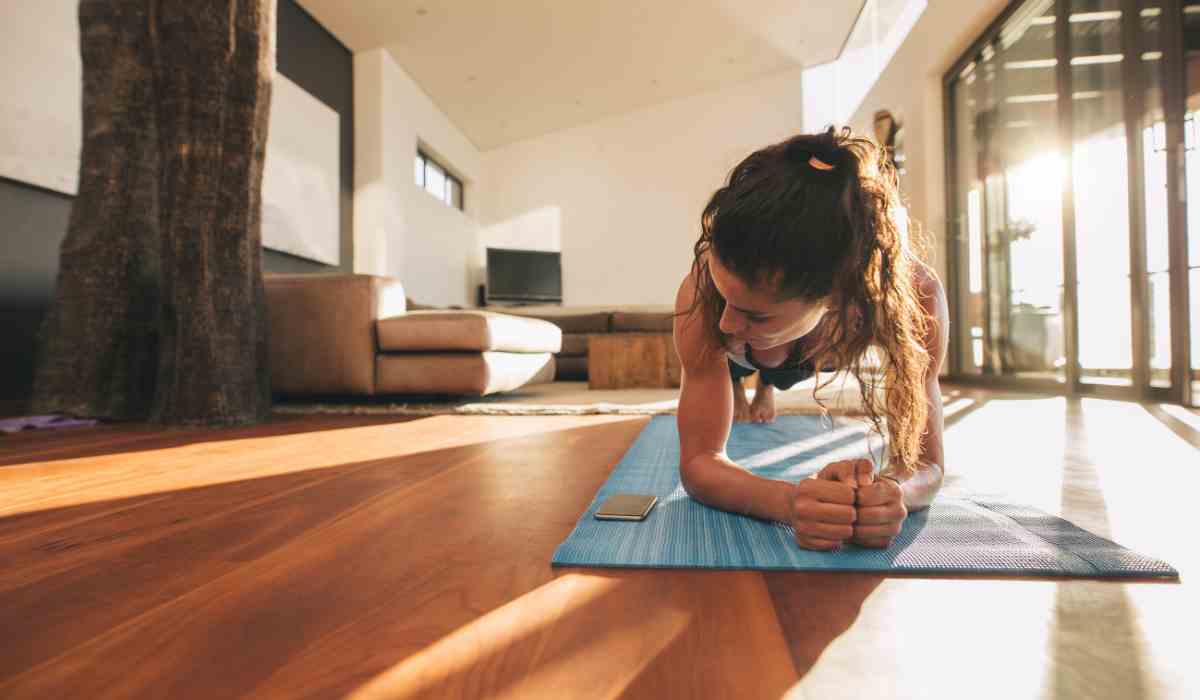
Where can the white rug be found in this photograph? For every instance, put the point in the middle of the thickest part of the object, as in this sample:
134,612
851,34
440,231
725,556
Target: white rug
574,398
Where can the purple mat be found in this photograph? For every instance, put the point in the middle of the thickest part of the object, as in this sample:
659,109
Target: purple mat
15,425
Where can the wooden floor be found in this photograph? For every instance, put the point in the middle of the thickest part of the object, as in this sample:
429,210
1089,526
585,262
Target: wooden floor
387,558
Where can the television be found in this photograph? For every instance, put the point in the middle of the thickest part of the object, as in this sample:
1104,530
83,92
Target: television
524,276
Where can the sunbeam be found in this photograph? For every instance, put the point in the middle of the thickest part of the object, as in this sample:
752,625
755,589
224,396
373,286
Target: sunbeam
545,631
69,482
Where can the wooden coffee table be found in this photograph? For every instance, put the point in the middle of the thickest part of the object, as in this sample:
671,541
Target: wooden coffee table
632,361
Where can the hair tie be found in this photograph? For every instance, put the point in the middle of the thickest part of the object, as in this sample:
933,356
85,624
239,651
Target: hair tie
819,164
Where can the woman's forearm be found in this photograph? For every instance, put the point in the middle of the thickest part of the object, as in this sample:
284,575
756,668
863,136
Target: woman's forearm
717,482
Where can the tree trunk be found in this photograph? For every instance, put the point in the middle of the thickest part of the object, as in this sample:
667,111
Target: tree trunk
213,63
99,339
159,307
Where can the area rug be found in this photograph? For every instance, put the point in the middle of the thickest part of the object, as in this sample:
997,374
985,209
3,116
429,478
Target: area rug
960,533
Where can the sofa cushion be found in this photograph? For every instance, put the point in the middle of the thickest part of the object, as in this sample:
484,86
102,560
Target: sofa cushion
574,344
461,374
473,331
322,330
568,320
583,323
642,322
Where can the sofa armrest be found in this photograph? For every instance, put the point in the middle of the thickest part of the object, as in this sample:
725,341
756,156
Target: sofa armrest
322,330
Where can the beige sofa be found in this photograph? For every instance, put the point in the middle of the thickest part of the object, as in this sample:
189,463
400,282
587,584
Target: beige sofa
579,322
339,334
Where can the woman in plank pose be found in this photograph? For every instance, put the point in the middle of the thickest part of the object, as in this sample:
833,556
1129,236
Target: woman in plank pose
804,262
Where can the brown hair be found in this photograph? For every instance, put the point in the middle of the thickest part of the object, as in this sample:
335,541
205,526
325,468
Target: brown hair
787,220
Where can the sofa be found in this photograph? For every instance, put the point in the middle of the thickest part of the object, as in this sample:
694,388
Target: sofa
577,323
352,334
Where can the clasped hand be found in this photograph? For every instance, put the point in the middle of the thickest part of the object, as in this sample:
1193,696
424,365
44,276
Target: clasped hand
845,502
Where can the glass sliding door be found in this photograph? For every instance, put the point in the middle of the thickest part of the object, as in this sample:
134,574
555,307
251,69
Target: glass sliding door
1191,47
1153,133
969,102
1096,288
1101,193
1009,203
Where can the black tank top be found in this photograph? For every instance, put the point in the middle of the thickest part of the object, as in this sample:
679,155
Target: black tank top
792,361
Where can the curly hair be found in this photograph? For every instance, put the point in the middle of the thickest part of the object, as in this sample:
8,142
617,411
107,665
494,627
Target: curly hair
816,217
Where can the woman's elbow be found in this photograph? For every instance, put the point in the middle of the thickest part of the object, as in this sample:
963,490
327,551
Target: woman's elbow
691,476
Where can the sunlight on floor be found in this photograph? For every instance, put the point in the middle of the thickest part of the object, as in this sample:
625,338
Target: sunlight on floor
779,454
877,663
842,429
1028,469
544,641
1142,468
1112,445
1188,418
1117,473
955,406
62,483
1107,466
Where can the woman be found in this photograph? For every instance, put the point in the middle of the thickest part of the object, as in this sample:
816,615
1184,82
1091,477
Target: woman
804,262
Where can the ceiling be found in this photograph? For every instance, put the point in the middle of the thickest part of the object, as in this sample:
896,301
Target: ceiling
507,70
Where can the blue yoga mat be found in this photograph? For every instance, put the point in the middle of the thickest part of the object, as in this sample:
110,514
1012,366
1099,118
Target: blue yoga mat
957,534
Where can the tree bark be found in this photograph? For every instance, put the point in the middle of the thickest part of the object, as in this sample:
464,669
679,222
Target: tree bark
159,308
213,63
99,339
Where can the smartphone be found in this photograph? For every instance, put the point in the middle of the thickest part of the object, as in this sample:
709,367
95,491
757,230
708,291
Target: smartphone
626,506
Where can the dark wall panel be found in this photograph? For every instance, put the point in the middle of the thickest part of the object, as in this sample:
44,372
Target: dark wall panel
316,61
33,221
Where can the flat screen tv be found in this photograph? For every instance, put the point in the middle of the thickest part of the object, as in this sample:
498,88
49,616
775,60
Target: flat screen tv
529,276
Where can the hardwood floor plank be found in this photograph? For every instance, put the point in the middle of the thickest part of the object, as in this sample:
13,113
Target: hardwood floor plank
31,446
208,459
815,607
624,634
210,532
378,521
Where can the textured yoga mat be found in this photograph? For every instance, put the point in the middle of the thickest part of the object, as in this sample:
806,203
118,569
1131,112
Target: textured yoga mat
956,535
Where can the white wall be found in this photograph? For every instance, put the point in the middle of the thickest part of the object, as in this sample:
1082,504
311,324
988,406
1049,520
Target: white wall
40,92
919,103
540,229
399,229
623,195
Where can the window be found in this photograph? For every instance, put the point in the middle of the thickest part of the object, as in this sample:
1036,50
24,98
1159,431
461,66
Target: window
833,91
437,181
